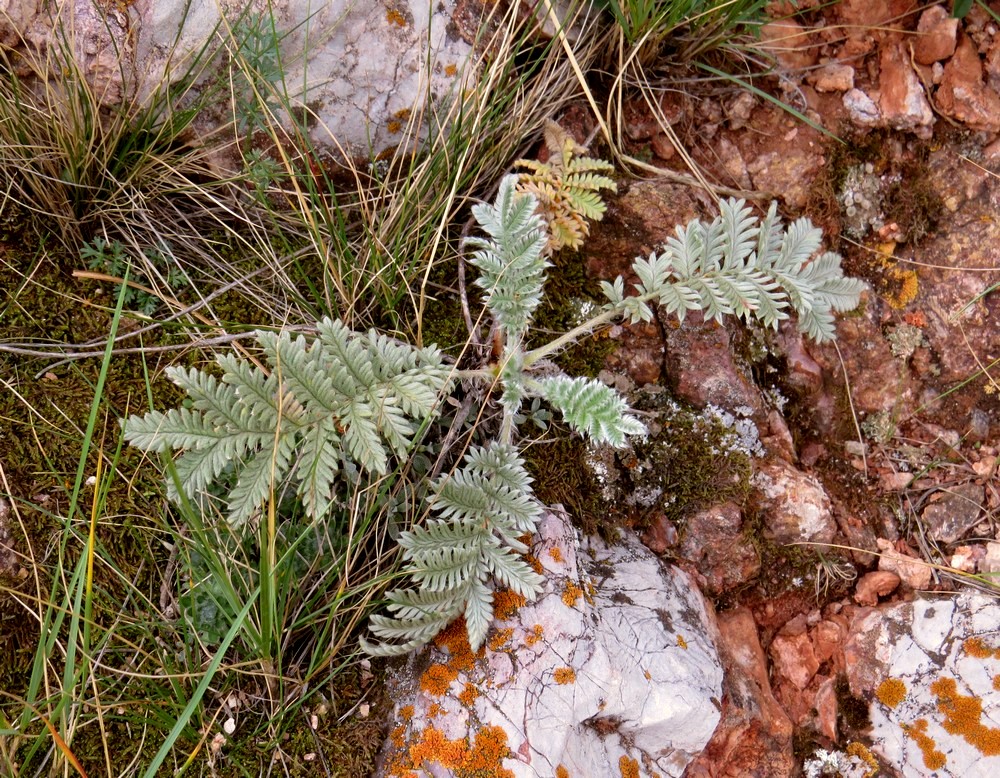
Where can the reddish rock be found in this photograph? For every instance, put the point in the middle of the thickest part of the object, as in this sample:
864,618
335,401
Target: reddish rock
914,573
864,112
826,709
802,372
954,513
777,438
828,641
663,146
963,96
873,585
754,738
716,545
902,100
640,355
701,366
793,658
788,173
875,16
661,535
789,43
794,505
936,36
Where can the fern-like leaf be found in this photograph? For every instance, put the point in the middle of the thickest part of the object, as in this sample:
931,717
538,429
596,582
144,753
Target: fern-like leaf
511,262
739,265
483,507
340,397
592,409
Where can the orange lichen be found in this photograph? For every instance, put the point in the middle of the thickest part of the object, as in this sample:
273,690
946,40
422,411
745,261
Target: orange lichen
468,695
571,594
681,641
647,675
434,710
484,759
962,717
561,772
915,319
395,17
437,679
402,114
455,639
396,736
450,70
500,638
907,286
861,752
891,692
628,767
977,648
535,635
996,682
406,712
591,592
933,759
564,675
433,746
556,554
506,603
535,563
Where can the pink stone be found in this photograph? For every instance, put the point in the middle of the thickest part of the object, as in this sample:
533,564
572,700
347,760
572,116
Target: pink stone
963,96
790,44
794,659
833,78
873,585
936,37
902,100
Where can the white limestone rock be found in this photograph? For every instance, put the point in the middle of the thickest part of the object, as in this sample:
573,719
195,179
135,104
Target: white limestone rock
615,664
929,668
360,68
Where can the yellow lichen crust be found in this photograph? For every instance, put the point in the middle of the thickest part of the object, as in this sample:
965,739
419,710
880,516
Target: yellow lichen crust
933,759
962,717
556,554
571,594
861,752
891,692
628,767
681,641
561,772
564,675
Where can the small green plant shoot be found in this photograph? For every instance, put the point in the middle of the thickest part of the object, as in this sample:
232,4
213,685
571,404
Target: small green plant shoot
345,397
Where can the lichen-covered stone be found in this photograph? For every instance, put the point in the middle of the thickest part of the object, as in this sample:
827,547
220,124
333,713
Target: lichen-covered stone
930,668
615,661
